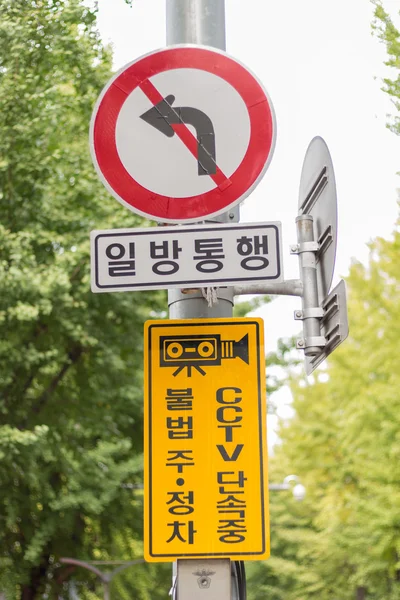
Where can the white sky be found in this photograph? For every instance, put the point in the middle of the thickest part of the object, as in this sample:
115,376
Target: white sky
322,69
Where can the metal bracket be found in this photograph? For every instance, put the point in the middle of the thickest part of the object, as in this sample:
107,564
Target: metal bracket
334,325
204,579
304,247
308,313
319,341
172,591
325,240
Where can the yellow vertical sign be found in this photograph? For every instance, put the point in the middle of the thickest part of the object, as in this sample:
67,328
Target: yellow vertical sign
206,492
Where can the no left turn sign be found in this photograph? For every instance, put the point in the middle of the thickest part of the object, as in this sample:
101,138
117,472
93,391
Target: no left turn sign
182,134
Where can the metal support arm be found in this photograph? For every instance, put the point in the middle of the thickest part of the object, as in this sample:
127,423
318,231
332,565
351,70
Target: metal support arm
290,287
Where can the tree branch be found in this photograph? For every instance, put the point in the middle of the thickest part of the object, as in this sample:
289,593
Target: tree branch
74,355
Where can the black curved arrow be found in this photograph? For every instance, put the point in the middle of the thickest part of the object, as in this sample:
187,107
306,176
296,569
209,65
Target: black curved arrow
162,115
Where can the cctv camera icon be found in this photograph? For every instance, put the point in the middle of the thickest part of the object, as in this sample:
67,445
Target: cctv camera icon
195,352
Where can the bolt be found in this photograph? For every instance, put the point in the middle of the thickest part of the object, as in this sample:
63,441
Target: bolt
298,314
293,248
231,215
300,343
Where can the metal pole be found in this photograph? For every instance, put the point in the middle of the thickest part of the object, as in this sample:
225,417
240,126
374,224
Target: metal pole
105,578
308,275
290,287
106,588
198,22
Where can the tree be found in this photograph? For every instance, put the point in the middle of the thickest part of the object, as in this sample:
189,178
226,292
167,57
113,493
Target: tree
70,374
344,439
286,574
390,36
344,540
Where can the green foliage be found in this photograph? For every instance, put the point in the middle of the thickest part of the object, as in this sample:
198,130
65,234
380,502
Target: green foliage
344,444
390,36
286,575
279,363
144,582
243,308
282,365
70,361
343,541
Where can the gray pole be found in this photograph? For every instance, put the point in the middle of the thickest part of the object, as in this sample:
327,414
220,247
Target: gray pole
106,590
105,578
198,22
308,275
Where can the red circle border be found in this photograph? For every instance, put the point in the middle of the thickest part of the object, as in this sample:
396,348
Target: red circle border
128,190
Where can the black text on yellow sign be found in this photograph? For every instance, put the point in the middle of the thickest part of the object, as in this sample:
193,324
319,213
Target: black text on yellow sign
206,492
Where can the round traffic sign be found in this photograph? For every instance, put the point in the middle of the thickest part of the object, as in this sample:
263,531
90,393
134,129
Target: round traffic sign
317,197
182,134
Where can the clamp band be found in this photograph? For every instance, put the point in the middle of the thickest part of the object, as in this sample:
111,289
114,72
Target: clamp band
317,340
308,247
313,312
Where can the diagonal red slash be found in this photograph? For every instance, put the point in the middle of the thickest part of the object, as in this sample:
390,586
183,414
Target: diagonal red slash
184,134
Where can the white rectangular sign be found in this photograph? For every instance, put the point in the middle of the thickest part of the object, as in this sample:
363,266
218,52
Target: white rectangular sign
176,257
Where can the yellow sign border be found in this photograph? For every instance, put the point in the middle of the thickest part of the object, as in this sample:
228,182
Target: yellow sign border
264,552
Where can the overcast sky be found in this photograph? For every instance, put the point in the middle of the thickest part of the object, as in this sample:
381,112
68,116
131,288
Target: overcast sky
322,69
